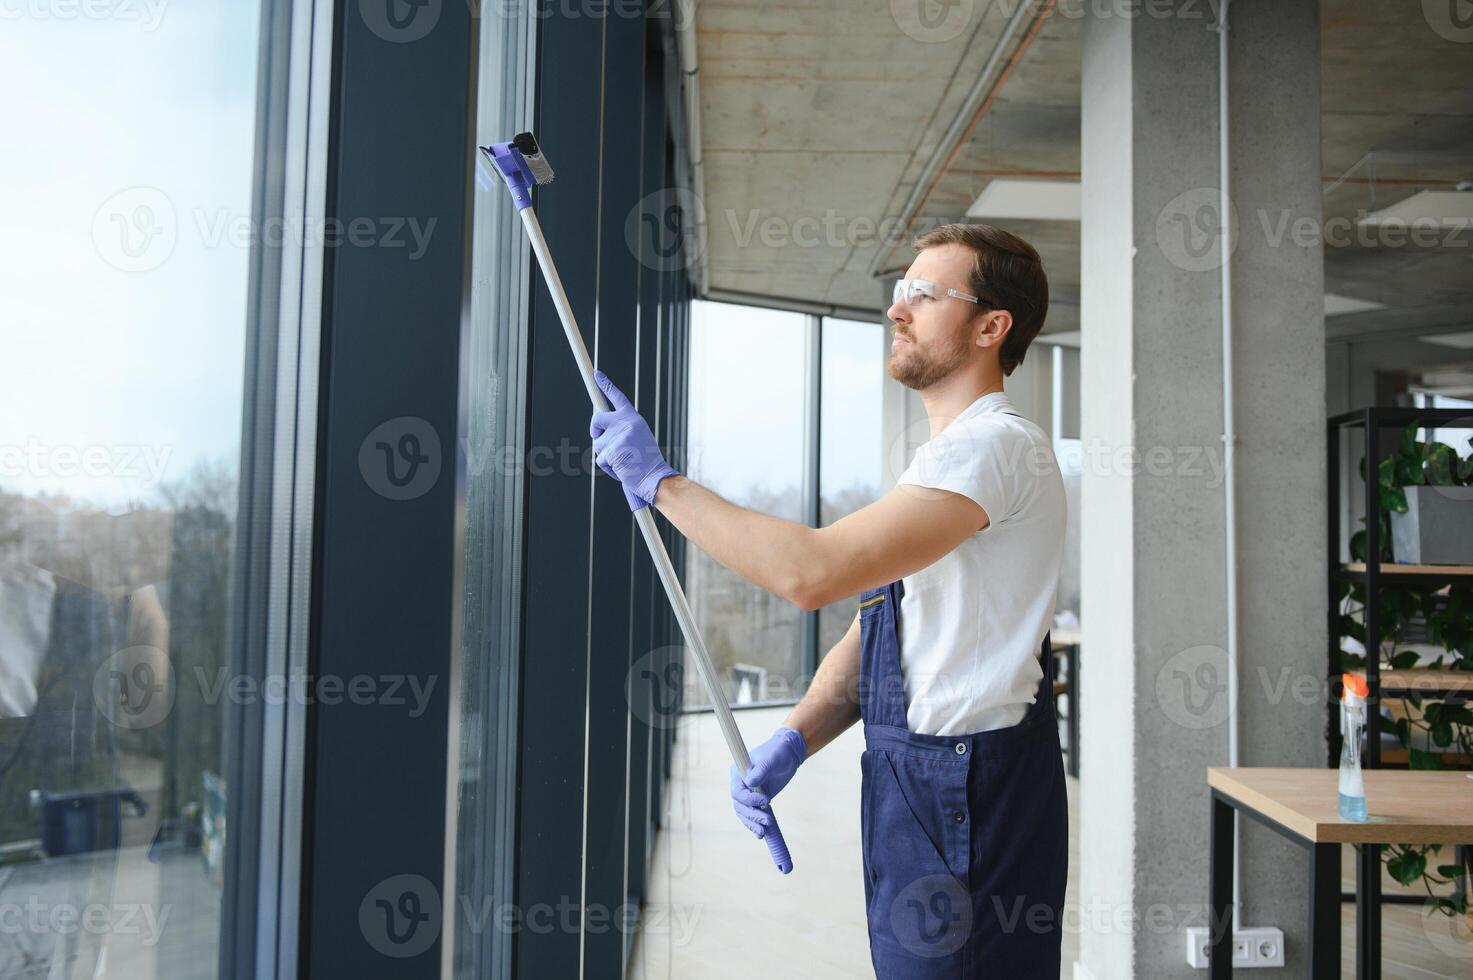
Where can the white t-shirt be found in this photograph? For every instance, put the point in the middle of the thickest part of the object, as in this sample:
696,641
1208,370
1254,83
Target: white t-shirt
972,623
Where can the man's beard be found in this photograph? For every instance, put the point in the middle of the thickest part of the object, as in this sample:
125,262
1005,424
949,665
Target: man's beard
921,369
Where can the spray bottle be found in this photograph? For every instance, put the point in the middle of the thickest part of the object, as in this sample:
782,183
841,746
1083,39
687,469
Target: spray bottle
1352,723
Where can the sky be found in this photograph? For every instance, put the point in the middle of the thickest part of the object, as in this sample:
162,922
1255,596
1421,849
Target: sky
123,162
123,357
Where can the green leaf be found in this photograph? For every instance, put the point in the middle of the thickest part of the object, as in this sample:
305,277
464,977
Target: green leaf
1407,867
1442,734
1456,714
1358,546
1465,469
1425,760
1450,870
1453,907
1404,659
1407,442
1441,464
1386,473
1394,500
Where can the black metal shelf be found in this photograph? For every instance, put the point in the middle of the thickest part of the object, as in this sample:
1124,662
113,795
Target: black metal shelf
1373,574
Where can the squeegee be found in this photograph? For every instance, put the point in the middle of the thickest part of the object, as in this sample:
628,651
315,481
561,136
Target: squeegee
521,165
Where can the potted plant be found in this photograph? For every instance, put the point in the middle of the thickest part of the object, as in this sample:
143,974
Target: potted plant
1437,733
1430,500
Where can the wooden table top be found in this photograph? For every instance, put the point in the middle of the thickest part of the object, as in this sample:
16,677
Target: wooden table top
1406,806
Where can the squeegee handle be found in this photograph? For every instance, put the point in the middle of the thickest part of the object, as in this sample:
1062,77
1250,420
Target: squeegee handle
644,518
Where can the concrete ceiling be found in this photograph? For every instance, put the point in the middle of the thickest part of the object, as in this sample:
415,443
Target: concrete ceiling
818,118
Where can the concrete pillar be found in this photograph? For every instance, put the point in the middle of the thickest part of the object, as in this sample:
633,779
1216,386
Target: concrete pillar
1154,709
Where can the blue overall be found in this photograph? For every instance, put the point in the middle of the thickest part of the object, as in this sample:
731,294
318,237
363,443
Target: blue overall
965,837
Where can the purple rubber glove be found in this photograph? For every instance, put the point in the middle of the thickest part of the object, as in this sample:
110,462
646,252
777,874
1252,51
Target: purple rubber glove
773,764
625,447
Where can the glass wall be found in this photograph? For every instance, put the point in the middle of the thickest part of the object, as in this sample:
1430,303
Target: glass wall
758,455
747,410
851,456
127,165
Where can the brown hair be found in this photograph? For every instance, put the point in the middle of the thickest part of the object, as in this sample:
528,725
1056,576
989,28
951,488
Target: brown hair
1007,274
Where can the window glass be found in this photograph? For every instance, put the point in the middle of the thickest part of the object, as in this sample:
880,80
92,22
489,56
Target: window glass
746,423
126,158
850,454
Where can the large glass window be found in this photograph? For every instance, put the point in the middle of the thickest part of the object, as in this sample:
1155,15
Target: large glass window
489,498
126,158
851,457
746,443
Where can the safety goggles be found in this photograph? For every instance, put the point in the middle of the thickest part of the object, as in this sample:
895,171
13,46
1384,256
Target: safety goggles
907,291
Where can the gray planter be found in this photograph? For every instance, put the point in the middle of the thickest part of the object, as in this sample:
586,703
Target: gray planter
1437,528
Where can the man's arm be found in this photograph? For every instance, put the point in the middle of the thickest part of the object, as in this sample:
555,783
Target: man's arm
902,532
831,703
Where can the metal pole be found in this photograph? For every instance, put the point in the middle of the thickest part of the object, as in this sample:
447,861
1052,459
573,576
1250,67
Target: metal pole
646,521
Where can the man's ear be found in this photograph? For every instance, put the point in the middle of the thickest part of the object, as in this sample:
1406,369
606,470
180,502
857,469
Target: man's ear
993,328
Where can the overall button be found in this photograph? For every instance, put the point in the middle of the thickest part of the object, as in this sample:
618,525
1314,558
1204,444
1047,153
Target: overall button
958,816
961,748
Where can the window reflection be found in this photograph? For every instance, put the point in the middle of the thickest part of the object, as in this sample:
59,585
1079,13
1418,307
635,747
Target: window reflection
124,276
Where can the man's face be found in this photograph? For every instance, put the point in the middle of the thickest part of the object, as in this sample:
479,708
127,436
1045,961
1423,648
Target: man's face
932,337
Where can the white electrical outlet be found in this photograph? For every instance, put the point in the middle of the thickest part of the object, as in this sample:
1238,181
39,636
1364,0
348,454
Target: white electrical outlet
1256,947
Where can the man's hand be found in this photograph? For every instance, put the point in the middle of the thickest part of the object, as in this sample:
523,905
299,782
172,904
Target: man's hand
625,447
773,764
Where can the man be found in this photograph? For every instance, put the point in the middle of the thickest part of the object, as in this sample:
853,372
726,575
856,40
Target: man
963,814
